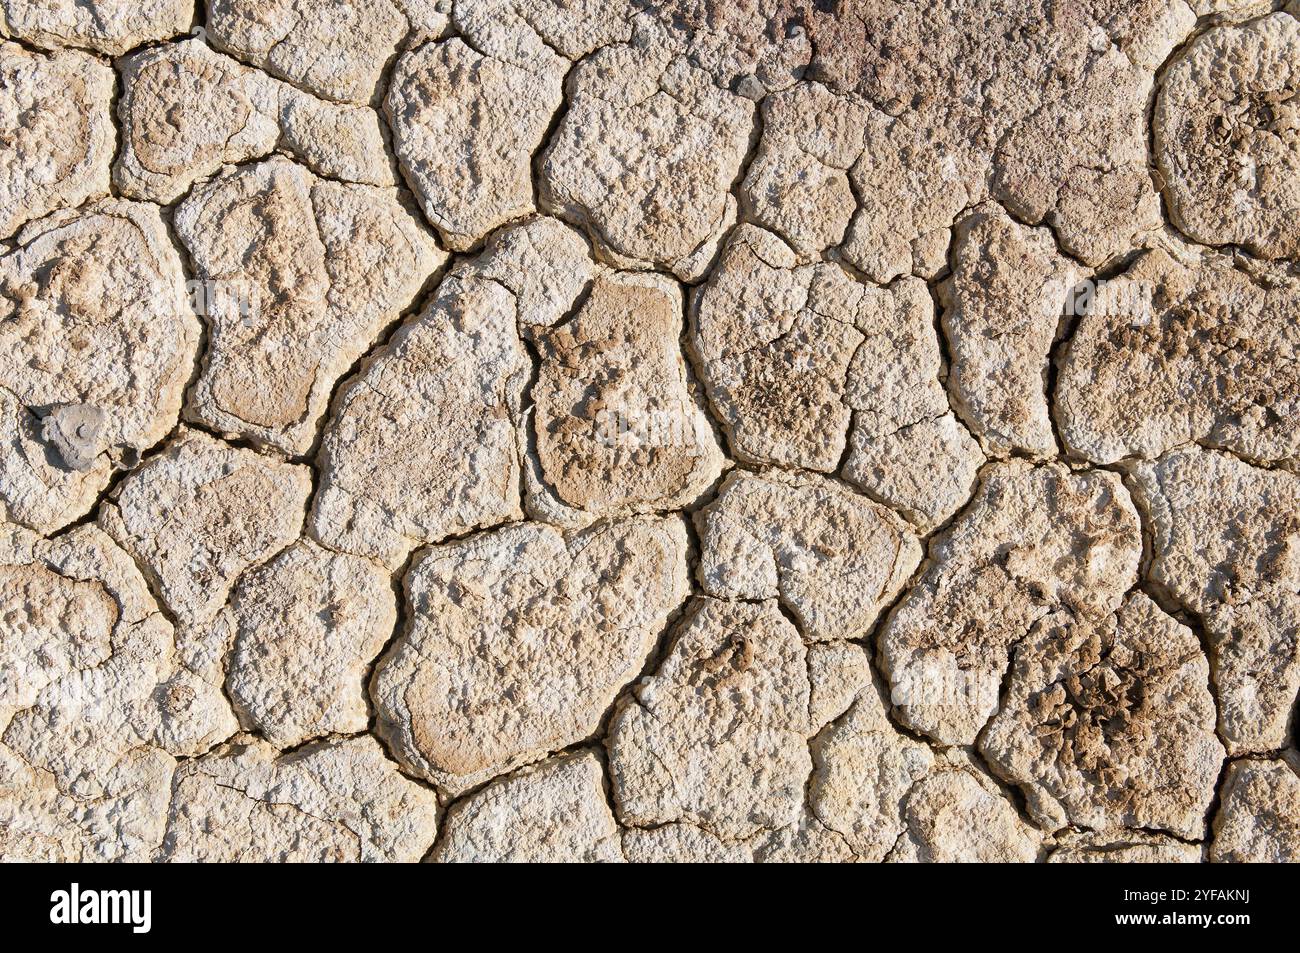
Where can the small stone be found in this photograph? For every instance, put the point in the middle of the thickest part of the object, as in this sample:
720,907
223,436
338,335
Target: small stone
553,812
93,314
428,19
838,672
790,354
894,380
75,432
92,311
37,488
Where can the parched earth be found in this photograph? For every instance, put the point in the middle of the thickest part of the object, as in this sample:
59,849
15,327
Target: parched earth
614,430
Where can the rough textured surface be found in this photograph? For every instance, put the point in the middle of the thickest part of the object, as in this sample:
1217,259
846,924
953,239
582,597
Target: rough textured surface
1226,546
334,50
864,768
890,797
201,512
1037,543
778,431
518,640
798,182
39,488
958,815
646,154
775,340
1110,724
421,444
926,470
107,26
617,426
906,449
1225,128
186,110
832,557
57,130
305,274
465,127
1259,819
330,801
194,518
1202,352
303,630
1130,848
95,703
1002,306
96,343
1049,117
717,736
554,812
792,354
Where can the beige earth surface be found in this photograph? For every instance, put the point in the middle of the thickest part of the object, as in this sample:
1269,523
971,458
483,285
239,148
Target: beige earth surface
612,431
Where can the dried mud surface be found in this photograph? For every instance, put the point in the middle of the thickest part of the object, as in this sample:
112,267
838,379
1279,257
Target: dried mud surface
615,431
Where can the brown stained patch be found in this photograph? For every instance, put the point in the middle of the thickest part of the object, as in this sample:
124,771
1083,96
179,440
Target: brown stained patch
1109,724
617,425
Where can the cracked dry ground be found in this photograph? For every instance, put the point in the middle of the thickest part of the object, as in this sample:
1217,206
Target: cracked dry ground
595,431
